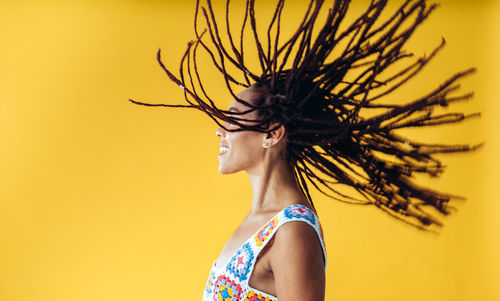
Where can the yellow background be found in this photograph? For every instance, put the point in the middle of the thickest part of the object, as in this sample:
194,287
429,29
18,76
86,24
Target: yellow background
101,199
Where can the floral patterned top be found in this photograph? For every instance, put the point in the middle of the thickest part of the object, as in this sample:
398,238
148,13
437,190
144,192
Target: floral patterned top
231,283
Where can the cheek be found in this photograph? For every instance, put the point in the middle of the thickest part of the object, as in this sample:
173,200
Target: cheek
247,145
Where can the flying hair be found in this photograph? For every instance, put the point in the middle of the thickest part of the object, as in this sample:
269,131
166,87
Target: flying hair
309,88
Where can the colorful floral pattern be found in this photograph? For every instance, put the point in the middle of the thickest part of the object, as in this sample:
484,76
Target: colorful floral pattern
300,211
210,282
253,296
231,283
227,289
240,263
261,236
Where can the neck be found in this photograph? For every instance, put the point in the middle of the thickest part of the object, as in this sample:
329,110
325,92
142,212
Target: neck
274,186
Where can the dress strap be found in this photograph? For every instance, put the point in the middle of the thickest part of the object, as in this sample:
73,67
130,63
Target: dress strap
243,262
239,269
291,213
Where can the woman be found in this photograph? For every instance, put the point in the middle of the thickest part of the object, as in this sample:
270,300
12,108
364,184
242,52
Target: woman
277,272
312,115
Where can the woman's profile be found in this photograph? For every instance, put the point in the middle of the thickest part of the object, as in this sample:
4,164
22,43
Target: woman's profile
311,115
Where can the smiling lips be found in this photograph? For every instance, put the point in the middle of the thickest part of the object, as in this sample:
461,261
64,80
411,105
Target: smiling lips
223,149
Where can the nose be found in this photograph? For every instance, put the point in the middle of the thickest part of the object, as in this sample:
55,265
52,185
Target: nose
220,132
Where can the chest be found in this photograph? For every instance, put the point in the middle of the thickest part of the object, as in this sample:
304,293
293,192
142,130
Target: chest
245,231
240,258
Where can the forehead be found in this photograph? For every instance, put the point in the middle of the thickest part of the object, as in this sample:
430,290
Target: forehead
252,95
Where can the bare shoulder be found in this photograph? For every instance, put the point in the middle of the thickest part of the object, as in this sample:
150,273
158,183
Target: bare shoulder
296,259
298,239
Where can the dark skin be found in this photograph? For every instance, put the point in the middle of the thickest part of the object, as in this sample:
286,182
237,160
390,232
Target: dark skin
291,267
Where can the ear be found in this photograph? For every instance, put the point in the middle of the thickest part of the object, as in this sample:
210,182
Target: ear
276,136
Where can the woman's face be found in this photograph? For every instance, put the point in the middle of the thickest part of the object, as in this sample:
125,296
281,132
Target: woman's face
241,150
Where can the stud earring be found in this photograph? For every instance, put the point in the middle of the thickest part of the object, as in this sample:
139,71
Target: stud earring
267,144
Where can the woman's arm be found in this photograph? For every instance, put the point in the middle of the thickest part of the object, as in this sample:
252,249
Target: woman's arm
297,263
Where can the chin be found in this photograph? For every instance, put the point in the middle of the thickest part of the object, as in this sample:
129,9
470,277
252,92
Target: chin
224,169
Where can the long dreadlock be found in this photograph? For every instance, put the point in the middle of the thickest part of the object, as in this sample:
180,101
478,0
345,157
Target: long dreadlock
320,103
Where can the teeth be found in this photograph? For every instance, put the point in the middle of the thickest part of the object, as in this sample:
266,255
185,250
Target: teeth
224,149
